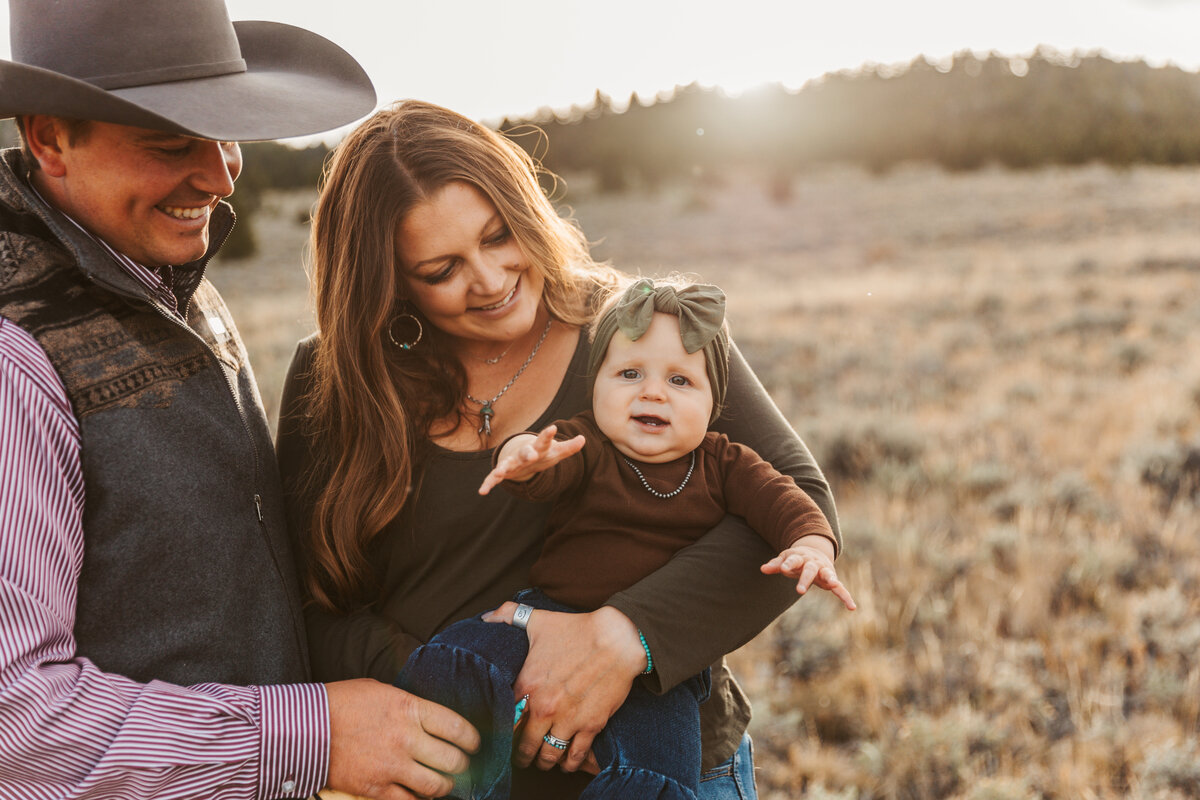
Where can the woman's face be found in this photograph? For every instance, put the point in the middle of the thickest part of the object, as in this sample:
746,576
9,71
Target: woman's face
464,270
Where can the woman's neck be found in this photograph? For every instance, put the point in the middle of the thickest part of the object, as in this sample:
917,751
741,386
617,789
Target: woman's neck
491,352
525,399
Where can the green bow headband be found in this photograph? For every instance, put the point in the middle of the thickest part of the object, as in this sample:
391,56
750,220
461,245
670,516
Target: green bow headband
701,312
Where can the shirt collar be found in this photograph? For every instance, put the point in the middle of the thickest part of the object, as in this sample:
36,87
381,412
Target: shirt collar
145,276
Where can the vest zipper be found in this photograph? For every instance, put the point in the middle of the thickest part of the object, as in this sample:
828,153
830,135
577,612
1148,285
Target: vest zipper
181,321
229,382
233,393
241,410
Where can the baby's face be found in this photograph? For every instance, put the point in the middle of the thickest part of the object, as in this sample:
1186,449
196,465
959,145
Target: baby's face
652,398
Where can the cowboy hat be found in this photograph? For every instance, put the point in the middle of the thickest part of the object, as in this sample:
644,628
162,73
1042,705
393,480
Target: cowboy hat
179,66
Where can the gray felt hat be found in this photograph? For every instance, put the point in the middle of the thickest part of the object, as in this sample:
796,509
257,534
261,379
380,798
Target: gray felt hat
179,66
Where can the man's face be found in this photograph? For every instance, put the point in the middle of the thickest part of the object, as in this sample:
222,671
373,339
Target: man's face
147,194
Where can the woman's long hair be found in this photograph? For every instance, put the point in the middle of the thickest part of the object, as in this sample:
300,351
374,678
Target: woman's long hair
371,403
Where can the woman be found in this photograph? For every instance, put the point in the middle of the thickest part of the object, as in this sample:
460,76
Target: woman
451,300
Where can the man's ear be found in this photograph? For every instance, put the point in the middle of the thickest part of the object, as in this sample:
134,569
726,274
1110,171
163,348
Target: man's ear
46,137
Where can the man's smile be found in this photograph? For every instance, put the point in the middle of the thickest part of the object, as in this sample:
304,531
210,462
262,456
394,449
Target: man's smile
185,212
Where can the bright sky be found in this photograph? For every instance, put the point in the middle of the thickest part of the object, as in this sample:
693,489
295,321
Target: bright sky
491,58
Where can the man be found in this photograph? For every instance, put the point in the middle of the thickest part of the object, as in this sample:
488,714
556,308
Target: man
151,640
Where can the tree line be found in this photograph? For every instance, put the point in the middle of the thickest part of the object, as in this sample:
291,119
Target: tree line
963,112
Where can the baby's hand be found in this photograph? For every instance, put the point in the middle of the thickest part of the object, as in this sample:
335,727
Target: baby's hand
527,455
810,565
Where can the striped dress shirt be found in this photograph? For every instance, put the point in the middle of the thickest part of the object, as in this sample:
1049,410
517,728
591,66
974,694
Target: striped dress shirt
68,729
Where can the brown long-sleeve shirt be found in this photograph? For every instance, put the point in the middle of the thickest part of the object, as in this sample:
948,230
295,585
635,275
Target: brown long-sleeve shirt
607,531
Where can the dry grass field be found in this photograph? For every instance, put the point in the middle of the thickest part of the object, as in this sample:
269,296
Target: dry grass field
1000,373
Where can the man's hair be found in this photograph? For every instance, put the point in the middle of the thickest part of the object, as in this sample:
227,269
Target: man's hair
77,132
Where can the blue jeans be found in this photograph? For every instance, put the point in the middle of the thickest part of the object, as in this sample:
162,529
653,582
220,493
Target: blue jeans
649,749
734,779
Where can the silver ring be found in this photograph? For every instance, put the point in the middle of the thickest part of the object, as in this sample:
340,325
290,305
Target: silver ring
554,741
521,616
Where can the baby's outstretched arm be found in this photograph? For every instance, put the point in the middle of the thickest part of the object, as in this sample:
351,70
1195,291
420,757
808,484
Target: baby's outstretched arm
525,455
810,561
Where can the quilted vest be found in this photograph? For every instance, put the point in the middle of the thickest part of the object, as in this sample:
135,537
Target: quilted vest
187,575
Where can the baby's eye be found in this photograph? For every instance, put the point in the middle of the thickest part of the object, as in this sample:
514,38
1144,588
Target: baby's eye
679,380
630,374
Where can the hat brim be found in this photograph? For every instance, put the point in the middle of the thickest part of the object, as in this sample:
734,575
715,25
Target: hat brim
296,83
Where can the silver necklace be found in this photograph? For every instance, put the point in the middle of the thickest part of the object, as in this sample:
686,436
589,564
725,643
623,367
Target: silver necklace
655,492
487,411
495,359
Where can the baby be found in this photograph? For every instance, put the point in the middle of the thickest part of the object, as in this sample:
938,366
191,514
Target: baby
634,480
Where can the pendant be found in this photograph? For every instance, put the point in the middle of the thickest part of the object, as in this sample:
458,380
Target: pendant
485,415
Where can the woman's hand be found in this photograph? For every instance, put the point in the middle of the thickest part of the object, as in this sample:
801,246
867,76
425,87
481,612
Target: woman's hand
524,456
578,672
810,562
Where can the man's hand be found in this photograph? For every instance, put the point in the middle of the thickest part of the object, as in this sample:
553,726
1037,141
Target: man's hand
578,672
525,455
810,562
387,744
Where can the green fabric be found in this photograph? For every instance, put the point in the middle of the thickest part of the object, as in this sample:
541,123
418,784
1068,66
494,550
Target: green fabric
700,308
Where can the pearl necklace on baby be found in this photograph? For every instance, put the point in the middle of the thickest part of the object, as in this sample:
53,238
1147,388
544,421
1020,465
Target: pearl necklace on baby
655,492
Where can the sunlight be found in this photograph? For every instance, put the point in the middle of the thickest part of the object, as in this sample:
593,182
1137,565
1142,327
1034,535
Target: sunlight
744,85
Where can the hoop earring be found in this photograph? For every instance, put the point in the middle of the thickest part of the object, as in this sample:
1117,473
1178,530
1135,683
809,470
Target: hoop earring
411,319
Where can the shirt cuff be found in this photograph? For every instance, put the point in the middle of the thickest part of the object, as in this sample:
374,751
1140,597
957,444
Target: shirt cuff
294,757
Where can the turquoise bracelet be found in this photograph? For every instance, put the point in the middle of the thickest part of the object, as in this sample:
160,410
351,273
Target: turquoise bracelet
649,659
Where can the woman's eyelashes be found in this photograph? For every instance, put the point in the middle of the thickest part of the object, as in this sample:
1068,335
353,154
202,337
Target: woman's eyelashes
499,237
491,240
442,274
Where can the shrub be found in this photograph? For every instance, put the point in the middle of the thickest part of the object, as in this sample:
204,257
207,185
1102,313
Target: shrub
856,452
1176,767
1173,468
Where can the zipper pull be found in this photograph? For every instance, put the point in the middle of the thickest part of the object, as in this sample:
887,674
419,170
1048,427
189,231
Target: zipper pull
258,506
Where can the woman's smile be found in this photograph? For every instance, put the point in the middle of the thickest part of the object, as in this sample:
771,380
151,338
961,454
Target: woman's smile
505,301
